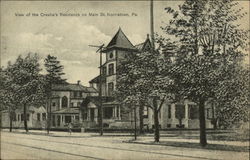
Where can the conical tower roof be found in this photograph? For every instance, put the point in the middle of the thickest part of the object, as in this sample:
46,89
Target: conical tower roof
120,40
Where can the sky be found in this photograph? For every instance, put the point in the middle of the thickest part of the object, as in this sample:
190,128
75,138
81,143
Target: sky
68,37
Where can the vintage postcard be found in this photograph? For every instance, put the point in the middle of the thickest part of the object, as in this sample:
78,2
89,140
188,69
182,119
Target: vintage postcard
124,79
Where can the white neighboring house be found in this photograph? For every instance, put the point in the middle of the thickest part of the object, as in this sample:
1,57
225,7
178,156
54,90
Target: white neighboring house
36,117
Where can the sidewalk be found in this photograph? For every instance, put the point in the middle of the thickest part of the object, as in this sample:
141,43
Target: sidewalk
235,146
178,139
51,133
148,139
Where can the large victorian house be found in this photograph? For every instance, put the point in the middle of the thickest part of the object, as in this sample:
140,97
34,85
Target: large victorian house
118,48
66,104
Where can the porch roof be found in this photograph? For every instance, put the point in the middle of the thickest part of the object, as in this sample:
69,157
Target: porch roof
67,111
111,103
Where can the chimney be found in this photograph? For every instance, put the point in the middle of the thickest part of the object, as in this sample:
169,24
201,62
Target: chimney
147,36
78,82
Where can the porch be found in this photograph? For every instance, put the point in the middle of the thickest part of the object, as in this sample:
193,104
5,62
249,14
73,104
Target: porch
65,116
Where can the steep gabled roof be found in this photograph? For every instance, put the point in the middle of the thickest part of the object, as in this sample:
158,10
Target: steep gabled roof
143,46
120,40
140,46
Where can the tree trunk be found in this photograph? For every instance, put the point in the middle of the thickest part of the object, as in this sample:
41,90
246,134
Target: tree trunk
141,118
156,121
48,114
214,119
135,124
25,117
11,120
203,139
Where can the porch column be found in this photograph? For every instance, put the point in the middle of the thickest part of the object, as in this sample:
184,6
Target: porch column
173,111
57,123
186,111
115,110
80,117
119,112
186,115
96,115
56,120
61,120
88,116
60,103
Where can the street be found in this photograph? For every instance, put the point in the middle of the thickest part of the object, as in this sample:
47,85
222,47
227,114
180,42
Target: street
85,146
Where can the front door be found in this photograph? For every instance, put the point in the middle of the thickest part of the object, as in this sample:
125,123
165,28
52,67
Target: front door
58,120
67,119
92,114
53,120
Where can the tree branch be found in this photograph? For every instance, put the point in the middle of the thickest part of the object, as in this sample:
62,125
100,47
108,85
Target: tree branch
162,101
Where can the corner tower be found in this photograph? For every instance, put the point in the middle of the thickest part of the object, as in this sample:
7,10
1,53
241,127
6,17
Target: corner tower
117,49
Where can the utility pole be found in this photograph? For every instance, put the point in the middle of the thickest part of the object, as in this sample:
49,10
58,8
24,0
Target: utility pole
100,95
152,24
100,48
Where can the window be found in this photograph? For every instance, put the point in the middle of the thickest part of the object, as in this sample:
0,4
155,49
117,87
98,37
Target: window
18,117
169,111
27,117
64,102
79,94
67,119
104,70
38,117
78,104
14,116
179,111
77,118
85,115
44,116
193,112
75,94
54,104
111,69
209,113
110,88
107,112
71,104
111,55
145,112
22,117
